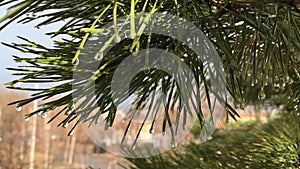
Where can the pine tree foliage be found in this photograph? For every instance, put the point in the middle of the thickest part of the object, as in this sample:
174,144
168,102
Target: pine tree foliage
257,41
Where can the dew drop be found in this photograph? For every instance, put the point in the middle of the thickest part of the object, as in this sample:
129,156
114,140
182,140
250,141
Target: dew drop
173,145
27,118
209,138
19,108
98,56
44,115
133,147
71,133
151,130
147,70
261,95
68,112
252,84
219,152
65,125
117,39
289,80
239,23
34,15
76,62
39,113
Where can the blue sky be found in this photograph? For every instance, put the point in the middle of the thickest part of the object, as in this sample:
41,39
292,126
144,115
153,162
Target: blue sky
9,35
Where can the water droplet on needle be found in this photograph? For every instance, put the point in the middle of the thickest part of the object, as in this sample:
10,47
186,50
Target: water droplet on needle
133,147
19,108
71,133
44,115
117,39
261,94
27,118
98,56
173,144
65,125
76,62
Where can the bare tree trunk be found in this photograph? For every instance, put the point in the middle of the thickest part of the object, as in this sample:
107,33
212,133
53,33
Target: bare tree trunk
33,135
22,148
0,124
51,159
72,147
0,133
67,147
268,113
257,111
32,144
11,142
47,128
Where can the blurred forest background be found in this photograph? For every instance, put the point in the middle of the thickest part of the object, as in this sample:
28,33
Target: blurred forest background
54,149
